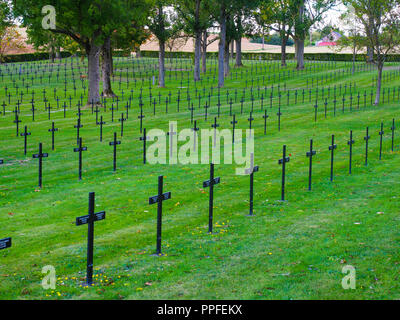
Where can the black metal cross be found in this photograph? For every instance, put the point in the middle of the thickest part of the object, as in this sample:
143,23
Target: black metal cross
233,123
310,155
366,138
25,134
283,162
17,122
250,172
316,111
112,112
210,183
52,130
250,119
159,200
215,126
279,118
115,143
90,219
381,141
101,127
393,127
332,148
80,149
195,129
78,126
122,120
48,108
144,139
265,117
141,116
5,243
40,156
154,106
350,144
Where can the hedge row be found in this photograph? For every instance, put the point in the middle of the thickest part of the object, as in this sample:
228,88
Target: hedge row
31,56
190,55
275,56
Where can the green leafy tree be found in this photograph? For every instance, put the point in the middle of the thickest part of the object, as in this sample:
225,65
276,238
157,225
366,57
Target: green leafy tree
46,41
241,24
278,16
125,37
196,18
164,25
355,39
381,23
87,22
308,12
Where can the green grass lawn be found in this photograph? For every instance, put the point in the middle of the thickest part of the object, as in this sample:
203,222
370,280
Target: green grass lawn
287,250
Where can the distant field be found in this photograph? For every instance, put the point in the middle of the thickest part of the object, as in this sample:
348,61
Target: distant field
247,46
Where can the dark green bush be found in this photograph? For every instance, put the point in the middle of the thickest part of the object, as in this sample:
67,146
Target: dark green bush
31,56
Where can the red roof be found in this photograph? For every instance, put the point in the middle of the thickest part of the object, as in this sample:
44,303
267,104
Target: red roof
326,44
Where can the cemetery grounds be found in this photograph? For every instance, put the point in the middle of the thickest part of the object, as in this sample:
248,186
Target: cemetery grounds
287,250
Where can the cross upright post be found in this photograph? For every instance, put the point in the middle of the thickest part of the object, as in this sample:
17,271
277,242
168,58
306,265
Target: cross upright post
78,126
381,133
350,144
250,172
393,127
122,120
265,117
25,134
144,139
114,144
366,138
101,123
233,123
40,156
210,183
215,126
159,198
310,155
90,219
80,149
283,162
279,118
195,129
17,122
52,130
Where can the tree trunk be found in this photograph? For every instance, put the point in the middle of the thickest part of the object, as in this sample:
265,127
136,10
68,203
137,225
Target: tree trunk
354,60
197,53
300,36
52,54
94,73
239,52
106,67
283,50
379,83
226,59
232,54
161,65
204,52
58,53
221,47
370,55
197,46
300,54
111,60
